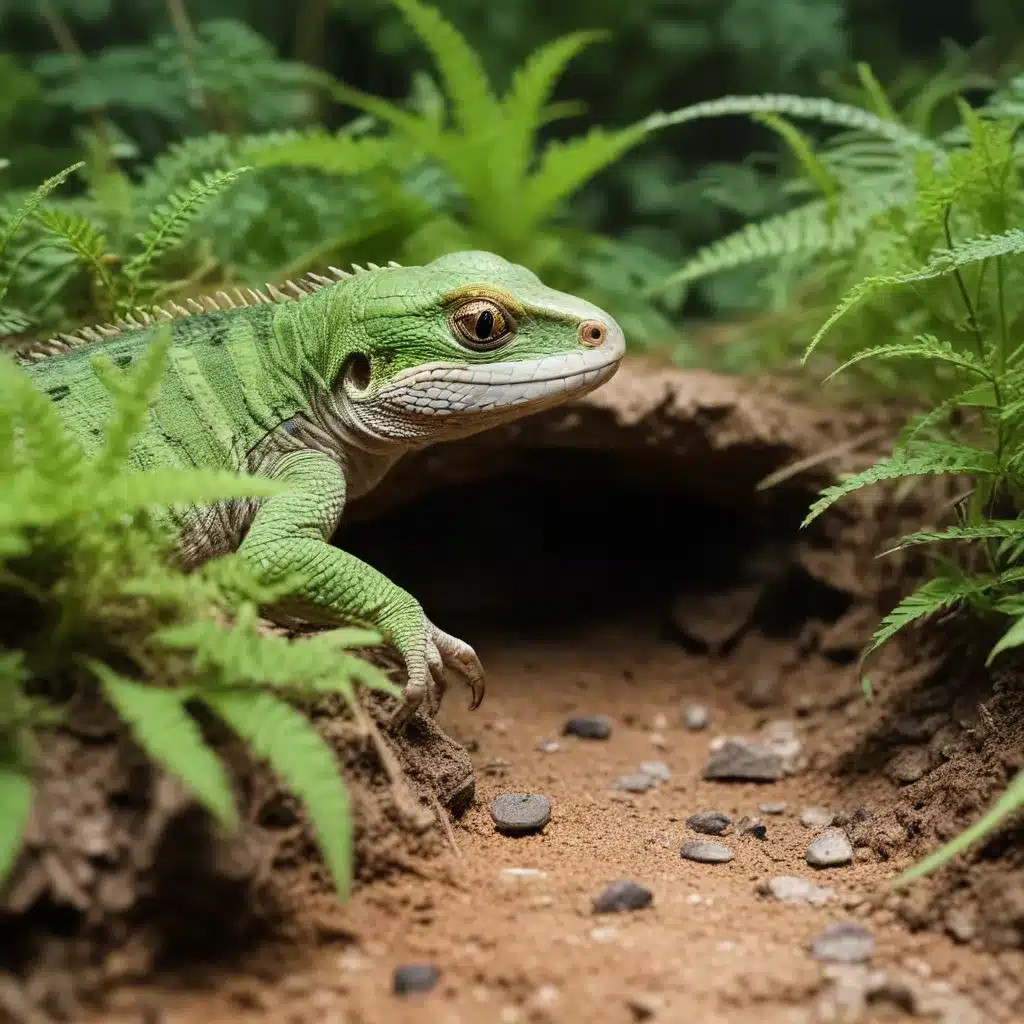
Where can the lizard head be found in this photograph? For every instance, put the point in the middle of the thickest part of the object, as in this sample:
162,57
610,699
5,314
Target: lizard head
470,340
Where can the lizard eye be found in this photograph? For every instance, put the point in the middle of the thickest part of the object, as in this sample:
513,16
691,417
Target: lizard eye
482,324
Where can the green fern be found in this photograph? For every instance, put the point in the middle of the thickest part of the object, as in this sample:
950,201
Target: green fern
288,741
169,734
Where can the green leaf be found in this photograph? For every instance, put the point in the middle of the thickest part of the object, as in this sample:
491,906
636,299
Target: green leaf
1013,637
925,346
131,492
170,735
993,528
15,805
803,149
465,79
279,733
931,459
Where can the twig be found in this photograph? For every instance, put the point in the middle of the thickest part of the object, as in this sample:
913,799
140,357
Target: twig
442,817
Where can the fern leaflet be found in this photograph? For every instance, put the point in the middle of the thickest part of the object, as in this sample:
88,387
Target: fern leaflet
15,806
282,735
170,735
924,345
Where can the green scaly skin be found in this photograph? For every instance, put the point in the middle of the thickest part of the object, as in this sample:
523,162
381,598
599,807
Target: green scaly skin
327,392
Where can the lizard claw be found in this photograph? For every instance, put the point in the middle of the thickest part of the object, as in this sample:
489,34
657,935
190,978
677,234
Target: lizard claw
427,674
458,656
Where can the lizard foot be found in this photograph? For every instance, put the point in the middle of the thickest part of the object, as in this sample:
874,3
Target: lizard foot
427,675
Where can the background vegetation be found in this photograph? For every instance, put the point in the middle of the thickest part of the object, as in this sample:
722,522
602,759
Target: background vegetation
677,162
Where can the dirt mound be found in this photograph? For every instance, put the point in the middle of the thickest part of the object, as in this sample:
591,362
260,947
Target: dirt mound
670,501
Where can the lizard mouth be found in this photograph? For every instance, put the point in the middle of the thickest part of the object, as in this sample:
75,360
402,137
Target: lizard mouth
439,389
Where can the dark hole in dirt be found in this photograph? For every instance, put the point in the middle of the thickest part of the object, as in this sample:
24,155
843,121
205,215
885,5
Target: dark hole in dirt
572,539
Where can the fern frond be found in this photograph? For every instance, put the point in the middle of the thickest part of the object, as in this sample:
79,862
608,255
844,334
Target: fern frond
169,221
923,346
279,733
332,153
841,115
466,83
564,166
804,231
16,793
30,205
127,493
1008,803
524,105
170,735
933,459
943,261
134,391
931,419
991,529
941,593
84,239
803,149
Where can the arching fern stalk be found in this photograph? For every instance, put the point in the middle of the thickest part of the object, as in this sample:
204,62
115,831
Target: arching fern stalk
973,290
85,563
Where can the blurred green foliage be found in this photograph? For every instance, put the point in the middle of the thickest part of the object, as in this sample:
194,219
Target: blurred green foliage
158,92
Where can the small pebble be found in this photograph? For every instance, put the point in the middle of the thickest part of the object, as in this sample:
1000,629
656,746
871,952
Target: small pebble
832,849
413,978
909,765
781,737
588,727
816,817
763,691
778,808
659,723
757,830
710,823
623,894
696,716
516,873
788,889
657,770
658,740
549,746
843,943
706,852
637,782
645,1005
517,814
737,760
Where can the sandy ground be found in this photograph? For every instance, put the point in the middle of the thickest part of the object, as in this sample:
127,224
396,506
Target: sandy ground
709,948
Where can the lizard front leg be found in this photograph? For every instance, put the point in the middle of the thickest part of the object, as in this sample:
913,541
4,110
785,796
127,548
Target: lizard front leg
290,534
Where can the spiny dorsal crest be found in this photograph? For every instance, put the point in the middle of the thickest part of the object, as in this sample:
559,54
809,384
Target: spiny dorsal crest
238,298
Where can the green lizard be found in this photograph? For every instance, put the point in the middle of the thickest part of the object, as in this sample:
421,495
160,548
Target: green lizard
324,384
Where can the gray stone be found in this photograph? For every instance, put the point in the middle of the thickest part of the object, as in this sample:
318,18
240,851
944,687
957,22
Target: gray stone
637,782
909,766
843,942
548,746
763,691
518,814
657,770
706,852
737,760
781,737
588,727
775,808
816,817
623,894
832,849
696,716
710,823
789,889
411,979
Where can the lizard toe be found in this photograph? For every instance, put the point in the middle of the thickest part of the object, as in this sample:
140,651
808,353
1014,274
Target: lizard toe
458,656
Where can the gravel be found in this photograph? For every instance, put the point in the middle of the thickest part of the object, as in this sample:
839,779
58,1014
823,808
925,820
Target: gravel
710,823
789,889
706,852
623,894
519,814
410,979
832,849
738,760
637,782
843,943
696,716
588,727
816,817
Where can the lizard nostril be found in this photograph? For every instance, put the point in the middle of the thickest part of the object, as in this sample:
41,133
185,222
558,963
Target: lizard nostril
592,333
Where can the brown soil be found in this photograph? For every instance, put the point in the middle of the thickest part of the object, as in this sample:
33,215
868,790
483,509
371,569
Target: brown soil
616,558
